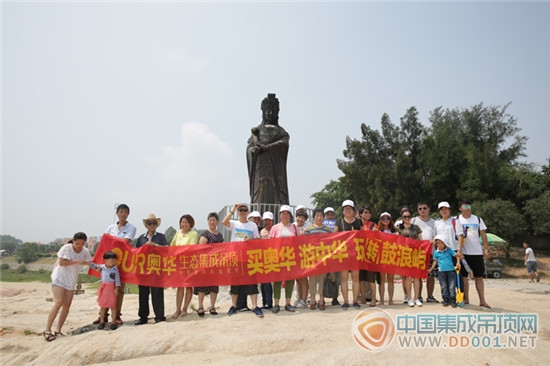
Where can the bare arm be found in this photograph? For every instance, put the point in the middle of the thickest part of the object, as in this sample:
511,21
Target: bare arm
68,262
229,215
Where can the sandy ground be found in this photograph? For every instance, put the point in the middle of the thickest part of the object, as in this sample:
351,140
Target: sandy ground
304,337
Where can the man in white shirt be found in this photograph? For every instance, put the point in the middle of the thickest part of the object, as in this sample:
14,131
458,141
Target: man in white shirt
471,250
124,230
242,230
426,223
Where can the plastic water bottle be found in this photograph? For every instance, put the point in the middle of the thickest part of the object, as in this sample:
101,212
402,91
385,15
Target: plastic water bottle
465,265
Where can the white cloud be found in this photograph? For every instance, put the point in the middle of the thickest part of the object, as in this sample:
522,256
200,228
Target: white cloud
179,57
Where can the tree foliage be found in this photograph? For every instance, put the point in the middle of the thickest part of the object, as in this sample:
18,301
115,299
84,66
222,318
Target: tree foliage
28,252
464,152
169,234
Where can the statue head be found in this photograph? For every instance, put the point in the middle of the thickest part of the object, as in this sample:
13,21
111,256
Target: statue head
270,109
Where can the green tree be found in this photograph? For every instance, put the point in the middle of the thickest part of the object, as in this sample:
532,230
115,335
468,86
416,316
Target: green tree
537,210
332,195
28,252
170,233
9,243
501,218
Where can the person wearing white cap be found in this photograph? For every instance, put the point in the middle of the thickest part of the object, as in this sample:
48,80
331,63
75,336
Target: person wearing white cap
302,284
443,259
283,229
267,288
242,230
448,226
348,223
255,217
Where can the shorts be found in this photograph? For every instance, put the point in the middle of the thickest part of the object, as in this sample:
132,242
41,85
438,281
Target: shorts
244,290
362,275
435,272
476,263
373,276
531,266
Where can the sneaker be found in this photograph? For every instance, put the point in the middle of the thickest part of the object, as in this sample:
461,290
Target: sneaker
356,305
411,303
345,306
418,301
421,299
276,309
267,307
113,326
445,303
258,312
101,326
432,299
405,299
289,307
300,304
232,311
453,305
244,309
335,302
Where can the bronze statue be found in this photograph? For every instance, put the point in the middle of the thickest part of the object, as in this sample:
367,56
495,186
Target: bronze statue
266,156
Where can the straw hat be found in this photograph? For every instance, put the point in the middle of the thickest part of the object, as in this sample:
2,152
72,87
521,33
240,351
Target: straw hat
151,217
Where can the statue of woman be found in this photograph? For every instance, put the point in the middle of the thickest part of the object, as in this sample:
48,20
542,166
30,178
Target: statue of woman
266,156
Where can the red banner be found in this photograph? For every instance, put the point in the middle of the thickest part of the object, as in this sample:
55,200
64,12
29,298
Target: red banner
267,260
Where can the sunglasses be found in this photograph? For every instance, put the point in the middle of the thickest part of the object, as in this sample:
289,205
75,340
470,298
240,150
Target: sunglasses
243,209
406,217
422,208
466,206
151,223
385,219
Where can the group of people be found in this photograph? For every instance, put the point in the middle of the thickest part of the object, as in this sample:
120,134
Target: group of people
455,240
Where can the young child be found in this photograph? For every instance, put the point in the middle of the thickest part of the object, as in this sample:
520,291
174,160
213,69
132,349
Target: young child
110,287
443,258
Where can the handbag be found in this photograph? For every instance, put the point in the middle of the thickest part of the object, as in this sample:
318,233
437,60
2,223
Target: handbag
330,287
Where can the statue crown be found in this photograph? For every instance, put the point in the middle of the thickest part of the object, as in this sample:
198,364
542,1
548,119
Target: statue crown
270,101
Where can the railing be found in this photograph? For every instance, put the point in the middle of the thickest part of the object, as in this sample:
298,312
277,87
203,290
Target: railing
261,208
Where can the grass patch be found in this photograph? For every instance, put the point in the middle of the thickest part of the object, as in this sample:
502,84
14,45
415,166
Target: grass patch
42,275
28,332
513,262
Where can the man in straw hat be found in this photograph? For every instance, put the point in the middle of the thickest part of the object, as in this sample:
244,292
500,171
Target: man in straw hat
152,238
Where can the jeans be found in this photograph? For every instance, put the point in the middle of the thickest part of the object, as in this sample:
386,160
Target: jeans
267,294
447,280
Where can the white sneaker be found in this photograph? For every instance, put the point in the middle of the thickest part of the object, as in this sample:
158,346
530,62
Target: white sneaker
411,303
301,304
405,300
418,302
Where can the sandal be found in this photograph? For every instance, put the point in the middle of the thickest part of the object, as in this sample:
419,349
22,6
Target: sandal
276,309
322,306
48,336
312,306
200,311
113,326
101,326
60,333
213,311
118,320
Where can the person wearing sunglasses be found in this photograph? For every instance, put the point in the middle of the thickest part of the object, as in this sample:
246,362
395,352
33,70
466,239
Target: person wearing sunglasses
242,230
426,223
151,238
414,232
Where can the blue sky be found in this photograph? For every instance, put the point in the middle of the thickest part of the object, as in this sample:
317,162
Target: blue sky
152,104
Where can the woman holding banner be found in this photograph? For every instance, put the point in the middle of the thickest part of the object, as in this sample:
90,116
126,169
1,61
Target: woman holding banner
414,232
386,225
283,229
185,236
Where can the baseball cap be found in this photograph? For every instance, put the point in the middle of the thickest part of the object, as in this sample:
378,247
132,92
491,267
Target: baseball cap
300,207
328,209
254,214
348,203
268,215
443,204
385,214
285,208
